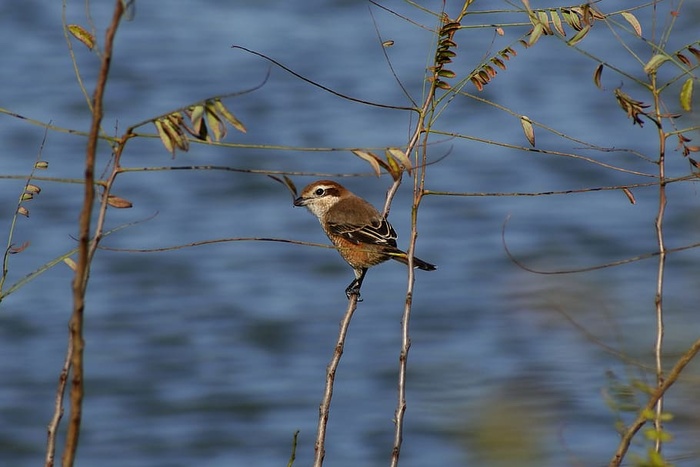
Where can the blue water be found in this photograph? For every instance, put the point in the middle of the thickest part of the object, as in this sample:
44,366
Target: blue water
215,355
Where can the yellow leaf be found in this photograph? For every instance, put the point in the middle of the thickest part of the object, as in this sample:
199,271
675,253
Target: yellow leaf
400,156
117,202
632,20
82,35
579,35
528,129
655,62
556,21
224,112
369,157
686,95
70,263
596,76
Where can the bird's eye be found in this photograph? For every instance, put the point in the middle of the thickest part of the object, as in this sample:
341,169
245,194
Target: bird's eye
319,191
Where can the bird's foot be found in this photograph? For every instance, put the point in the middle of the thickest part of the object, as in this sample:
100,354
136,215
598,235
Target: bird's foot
353,289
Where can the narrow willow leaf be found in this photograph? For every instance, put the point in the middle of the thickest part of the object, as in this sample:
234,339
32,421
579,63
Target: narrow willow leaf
686,95
528,129
400,156
171,124
556,21
544,21
684,60
447,73
498,62
630,195
41,165
632,20
215,124
82,35
70,263
695,52
228,116
535,34
369,157
579,36
32,189
596,76
164,136
655,62
117,202
197,118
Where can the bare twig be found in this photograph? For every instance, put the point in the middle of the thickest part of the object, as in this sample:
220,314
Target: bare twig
58,407
324,409
82,270
642,418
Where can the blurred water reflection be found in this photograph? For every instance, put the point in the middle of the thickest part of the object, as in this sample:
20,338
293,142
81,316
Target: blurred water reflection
215,355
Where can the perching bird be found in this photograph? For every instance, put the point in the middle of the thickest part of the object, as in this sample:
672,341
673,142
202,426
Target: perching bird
361,234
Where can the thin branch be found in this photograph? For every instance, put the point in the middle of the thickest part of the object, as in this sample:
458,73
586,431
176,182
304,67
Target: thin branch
325,407
82,270
642,418
52,428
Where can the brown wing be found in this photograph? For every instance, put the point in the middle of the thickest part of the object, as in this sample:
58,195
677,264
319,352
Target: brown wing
379,232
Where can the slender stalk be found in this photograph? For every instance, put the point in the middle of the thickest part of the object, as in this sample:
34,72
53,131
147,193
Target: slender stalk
641,419
82,271
325,407
658,299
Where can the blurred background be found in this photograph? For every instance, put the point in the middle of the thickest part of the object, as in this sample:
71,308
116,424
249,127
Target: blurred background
216,355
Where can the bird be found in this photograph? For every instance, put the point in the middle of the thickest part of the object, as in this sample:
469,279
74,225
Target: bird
362,236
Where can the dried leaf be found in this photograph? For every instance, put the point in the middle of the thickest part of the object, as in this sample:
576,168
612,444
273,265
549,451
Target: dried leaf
446,73
164,137
23,211
197,119
371,158
535,34
684,60
655,62
13,250
498,62
499,31
694,162
32,189
27,196
572,19
82,35
556,21
579,35
387,43
629,195
117,202
477,84
596,76
686,96
400,156
216,125
695,52
632,20
228,116
528,129
544,21
41,165
70,263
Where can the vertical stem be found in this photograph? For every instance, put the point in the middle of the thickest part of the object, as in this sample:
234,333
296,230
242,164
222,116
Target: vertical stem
325,407
82,270
658,299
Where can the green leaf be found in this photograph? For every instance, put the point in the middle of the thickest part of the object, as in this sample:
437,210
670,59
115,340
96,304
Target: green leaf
655,62
632,20
686,95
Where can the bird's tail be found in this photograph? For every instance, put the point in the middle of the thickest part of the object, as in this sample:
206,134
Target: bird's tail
400,256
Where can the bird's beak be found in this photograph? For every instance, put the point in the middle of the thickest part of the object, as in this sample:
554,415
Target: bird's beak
300,201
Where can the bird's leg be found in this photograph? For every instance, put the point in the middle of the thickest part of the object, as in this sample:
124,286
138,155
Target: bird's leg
354,287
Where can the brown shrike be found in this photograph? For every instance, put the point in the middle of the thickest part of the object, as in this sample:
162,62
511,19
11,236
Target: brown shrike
362,236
